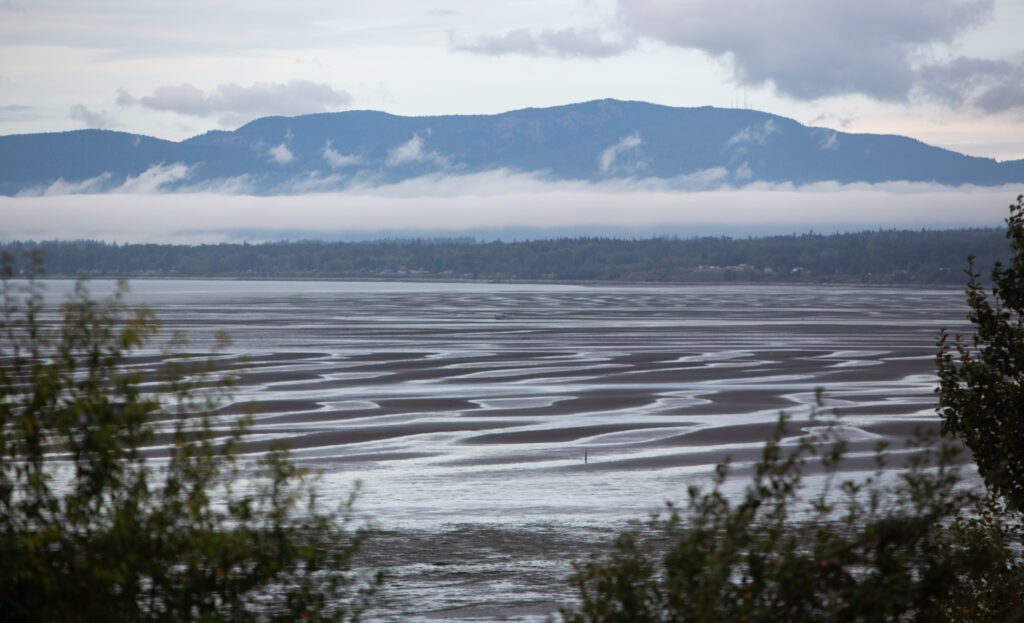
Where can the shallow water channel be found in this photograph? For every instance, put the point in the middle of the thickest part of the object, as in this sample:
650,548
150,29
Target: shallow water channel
501,430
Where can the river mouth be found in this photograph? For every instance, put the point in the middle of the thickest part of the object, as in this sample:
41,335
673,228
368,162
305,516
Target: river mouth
500,431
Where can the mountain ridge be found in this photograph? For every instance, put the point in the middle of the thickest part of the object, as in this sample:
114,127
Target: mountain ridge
688,148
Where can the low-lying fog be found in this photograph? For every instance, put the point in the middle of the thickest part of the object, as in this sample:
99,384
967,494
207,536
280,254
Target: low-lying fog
501,205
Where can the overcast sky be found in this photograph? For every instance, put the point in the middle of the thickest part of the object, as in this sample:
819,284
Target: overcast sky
949,72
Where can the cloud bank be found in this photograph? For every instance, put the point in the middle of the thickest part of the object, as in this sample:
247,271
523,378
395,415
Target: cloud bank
495,201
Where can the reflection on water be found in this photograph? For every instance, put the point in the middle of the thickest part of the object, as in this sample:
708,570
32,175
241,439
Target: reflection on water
473,405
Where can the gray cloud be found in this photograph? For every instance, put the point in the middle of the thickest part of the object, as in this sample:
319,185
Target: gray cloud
566,43
100,119
17,112
1005,94
990,85
235,104
808,48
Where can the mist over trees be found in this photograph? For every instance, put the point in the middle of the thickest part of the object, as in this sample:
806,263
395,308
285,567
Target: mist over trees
921,257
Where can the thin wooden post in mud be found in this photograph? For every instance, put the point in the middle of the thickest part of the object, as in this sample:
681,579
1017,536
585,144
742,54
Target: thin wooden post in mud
584,458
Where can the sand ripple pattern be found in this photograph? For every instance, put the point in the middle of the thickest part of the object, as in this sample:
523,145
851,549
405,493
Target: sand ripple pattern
467,409
482,402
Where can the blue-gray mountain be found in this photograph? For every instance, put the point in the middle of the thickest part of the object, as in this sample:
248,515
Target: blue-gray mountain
687,147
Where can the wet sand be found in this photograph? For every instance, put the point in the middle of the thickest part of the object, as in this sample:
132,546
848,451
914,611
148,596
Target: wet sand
469,408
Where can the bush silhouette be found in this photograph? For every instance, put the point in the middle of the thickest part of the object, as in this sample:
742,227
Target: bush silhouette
97,523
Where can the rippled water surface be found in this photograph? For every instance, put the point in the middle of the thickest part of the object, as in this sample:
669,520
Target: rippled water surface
500,430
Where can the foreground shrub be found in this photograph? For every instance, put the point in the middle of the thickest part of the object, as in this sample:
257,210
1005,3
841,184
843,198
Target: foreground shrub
98,525
911,544
981,378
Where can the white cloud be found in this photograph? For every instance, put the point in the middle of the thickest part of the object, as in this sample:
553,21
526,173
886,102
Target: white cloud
743,172
237,185
151,181
705,179
64,187
281,154
566,43
830,141
409,151
627,146
235,104
338,160
314,182
498,182
412,151
753,134
155,178
92,119
833,118
91,185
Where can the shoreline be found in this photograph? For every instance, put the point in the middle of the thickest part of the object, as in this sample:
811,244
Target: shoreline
484,281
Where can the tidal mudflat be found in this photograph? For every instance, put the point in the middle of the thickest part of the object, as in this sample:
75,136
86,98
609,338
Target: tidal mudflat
500,430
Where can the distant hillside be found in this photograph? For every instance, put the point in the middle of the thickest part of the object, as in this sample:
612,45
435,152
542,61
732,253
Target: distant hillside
689,147
914,257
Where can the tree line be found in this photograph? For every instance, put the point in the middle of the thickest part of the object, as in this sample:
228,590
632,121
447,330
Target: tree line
887,256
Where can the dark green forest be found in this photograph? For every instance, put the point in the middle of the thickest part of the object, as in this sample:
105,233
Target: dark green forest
890,256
